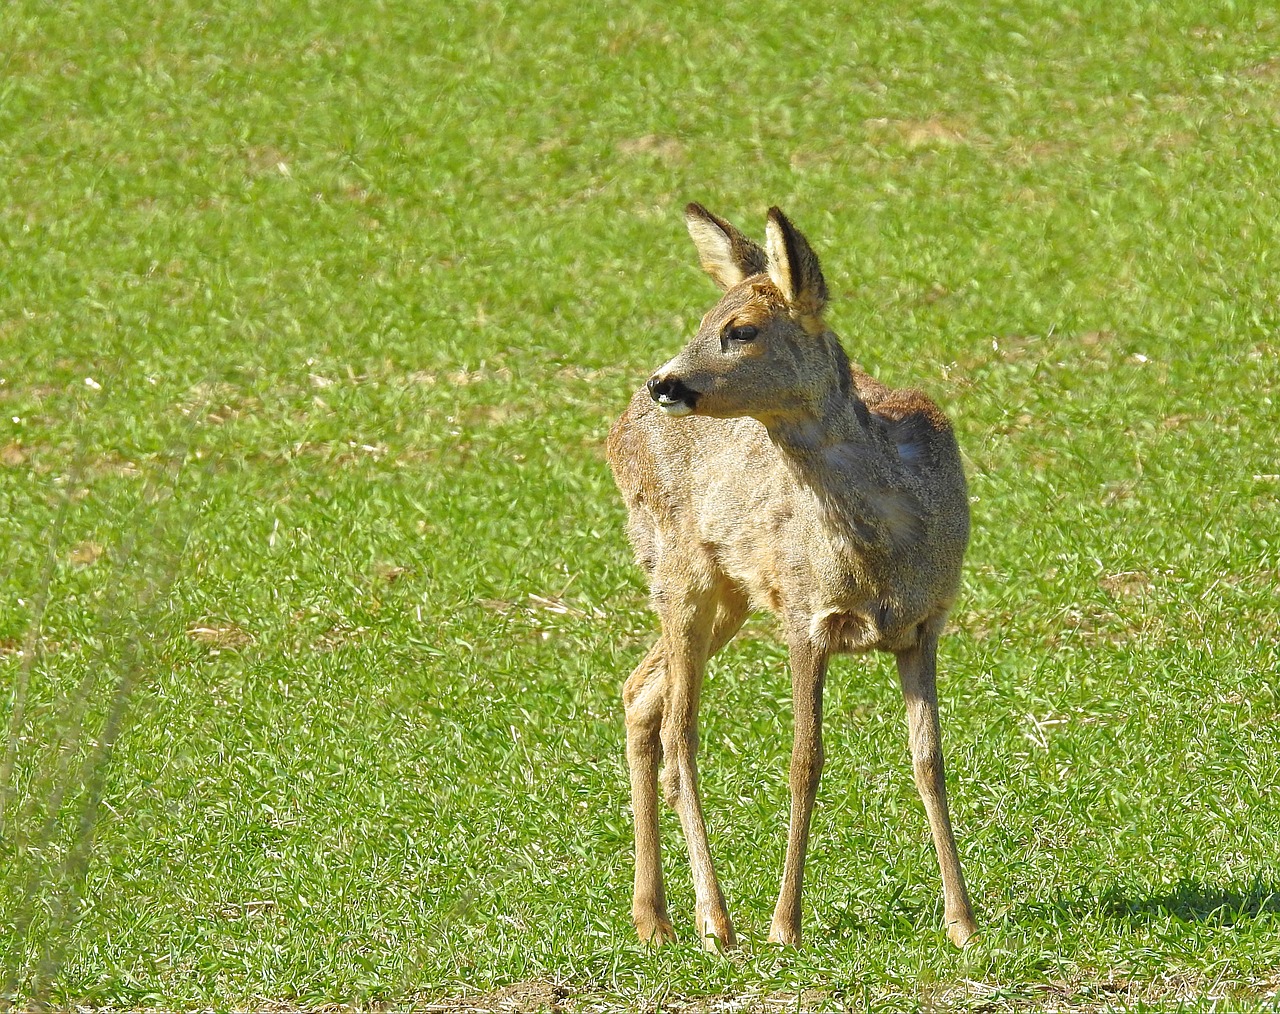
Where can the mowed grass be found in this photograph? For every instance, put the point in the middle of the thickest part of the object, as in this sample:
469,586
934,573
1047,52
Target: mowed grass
314,595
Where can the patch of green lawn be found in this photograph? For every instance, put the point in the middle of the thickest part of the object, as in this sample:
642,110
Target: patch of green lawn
312,323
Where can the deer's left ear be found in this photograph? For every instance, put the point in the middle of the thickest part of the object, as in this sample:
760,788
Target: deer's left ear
794,268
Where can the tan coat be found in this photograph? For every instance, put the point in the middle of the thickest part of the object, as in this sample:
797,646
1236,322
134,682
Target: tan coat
760,469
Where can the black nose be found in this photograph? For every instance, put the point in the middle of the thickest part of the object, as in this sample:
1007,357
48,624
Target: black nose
668,389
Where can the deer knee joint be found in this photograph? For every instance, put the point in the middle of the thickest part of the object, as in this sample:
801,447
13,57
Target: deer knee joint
644,720
643,703
927,769
672,785
679,748
806,769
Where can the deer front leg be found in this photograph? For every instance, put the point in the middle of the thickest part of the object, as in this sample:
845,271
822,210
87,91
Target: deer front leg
643,696
686,646
808,673
917,670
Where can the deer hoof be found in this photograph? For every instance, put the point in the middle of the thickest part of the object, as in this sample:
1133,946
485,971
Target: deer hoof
654,929
784,936
717,933
961,932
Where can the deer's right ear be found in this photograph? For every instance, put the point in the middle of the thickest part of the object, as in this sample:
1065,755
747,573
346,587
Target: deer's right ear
725,253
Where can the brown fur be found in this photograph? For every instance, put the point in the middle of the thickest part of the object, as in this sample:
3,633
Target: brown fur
798,484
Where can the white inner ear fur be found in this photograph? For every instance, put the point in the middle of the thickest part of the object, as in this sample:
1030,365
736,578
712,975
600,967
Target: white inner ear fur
779,266
715,252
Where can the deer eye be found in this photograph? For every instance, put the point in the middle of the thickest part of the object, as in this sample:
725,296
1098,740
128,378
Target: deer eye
741,332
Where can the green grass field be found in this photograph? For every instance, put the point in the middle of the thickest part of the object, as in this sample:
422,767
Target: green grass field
315,600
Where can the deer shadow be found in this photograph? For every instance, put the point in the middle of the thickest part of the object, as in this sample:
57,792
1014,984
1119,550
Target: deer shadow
1187,901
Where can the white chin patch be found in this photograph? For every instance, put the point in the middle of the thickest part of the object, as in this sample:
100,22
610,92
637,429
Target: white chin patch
675,408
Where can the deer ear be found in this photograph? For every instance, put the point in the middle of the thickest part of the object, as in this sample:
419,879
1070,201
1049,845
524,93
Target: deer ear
794,268
725,253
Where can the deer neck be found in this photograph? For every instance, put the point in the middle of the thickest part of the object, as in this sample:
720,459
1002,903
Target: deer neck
838,420
833,452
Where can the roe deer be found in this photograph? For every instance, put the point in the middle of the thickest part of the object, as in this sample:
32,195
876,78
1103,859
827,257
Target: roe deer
761,469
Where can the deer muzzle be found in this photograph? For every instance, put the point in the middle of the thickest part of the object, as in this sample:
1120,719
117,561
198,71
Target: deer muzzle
672,395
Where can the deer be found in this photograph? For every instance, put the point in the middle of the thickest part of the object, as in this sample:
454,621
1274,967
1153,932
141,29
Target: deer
762,470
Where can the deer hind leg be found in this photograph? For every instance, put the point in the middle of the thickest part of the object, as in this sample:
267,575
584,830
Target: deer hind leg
644,695
694,625
808,673
917,670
